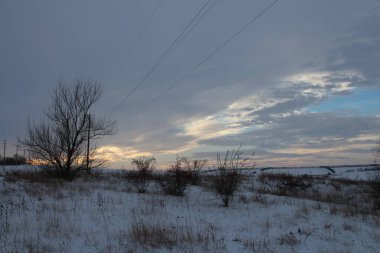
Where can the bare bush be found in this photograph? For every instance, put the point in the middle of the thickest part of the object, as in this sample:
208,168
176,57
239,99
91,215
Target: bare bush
229,174
143,172
174,180
60,143
193,168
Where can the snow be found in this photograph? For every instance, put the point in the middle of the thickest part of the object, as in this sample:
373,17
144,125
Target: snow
100,215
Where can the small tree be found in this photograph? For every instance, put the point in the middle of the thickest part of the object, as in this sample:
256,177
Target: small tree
144,169
229,174
60,142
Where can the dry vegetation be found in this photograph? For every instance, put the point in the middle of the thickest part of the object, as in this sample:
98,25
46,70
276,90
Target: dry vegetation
108,213
351,197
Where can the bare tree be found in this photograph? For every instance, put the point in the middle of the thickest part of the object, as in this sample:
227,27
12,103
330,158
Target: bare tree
60,142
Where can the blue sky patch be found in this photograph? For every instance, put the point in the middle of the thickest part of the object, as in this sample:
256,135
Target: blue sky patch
365,102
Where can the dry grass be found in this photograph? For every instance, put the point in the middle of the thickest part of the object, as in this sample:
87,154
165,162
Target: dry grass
257,245
260,198
33,176
150,235
288,239
195,223
348,197
155,236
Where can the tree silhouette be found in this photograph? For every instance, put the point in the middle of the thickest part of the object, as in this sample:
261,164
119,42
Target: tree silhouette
60,142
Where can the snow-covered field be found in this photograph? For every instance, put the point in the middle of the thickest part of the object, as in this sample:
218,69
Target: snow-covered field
105,214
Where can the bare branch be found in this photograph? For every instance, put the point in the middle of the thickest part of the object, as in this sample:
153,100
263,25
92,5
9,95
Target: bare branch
60,142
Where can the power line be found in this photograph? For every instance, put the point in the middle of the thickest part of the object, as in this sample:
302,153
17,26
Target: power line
139,35
215,51
189,28
165,55
180,37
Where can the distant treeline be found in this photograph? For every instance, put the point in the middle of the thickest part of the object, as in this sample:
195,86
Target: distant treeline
15,160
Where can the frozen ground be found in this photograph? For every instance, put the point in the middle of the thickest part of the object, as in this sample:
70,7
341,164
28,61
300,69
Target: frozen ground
105,214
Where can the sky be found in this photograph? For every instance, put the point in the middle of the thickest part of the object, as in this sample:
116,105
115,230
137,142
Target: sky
299,86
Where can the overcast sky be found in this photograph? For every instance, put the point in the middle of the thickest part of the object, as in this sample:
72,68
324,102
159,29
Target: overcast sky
299,86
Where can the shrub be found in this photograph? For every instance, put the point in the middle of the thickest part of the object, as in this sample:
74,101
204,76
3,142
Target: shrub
143,172
228,176
225,183
174,180
193,168
15,160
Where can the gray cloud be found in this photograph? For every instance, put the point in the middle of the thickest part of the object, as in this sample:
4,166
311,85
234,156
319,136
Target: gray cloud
360,49
312,130
43,41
